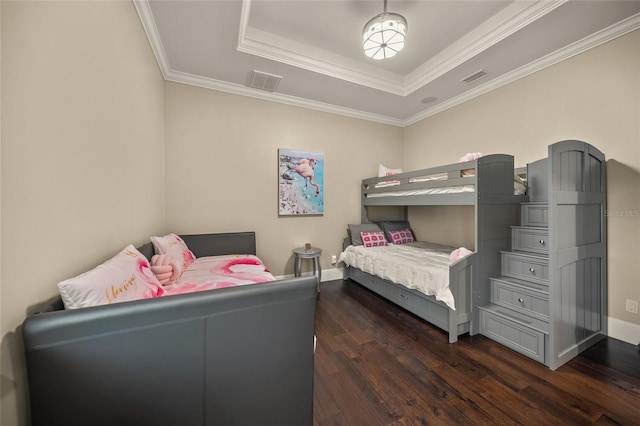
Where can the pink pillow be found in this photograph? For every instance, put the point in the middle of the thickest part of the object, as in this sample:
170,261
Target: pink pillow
385,171
373,239
126,276
173,245
459,253
402,236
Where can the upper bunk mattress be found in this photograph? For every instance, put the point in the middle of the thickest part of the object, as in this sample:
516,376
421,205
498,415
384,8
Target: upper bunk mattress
441,190
420,266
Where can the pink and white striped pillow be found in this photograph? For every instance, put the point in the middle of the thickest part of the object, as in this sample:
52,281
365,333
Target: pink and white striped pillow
373,239
402,236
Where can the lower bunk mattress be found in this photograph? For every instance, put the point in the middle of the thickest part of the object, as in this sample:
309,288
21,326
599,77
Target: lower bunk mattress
420,266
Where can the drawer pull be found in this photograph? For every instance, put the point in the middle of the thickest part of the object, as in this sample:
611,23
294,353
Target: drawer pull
532,270
521,300
541,242
403,296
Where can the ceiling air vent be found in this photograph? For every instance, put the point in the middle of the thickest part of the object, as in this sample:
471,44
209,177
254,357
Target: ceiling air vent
475,76
265,81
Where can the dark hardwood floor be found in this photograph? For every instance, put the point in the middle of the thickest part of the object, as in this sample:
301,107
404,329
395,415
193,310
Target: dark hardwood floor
376,364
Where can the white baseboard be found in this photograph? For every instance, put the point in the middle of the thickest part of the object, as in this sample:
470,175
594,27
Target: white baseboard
327,275
332,274
625,331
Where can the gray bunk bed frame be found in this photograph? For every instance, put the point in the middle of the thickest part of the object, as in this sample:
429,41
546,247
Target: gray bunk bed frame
496,209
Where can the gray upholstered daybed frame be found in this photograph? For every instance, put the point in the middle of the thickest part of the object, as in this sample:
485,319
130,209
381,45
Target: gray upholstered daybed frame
495,210
240,355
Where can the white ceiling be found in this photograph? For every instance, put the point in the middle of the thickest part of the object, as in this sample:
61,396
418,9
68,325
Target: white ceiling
315,46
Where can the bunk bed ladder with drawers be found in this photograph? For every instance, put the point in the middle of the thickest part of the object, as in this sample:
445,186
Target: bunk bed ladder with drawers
549,303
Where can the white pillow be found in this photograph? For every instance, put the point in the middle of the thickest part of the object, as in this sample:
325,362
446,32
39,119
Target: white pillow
385,171
126,276
173,245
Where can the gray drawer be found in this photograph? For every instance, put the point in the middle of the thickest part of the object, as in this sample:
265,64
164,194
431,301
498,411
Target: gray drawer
414,301
528,298
365,279
534,214
533,240
505,327
526,267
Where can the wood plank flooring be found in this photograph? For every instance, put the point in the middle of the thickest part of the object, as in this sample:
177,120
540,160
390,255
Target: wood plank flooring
376,364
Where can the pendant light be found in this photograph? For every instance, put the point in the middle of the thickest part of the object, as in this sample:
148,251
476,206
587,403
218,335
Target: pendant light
383,36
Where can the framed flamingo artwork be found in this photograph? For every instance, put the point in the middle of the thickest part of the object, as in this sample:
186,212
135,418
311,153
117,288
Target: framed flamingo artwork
300,182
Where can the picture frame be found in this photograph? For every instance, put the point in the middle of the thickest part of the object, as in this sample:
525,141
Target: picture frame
300,182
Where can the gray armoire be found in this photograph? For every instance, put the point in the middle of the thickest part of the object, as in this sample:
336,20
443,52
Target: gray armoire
550,301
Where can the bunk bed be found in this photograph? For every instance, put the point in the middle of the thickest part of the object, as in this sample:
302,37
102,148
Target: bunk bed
487,184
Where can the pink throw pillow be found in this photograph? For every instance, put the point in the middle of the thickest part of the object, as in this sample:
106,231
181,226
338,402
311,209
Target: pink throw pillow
173,245
373,239
126,276
459,253
402,236
385,171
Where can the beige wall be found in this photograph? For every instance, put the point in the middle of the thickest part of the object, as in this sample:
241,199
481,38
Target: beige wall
222,153
82,153
593,97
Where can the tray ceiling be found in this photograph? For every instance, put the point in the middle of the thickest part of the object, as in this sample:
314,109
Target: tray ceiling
315,46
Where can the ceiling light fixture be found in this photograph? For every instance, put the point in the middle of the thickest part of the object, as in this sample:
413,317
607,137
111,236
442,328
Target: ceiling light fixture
383,36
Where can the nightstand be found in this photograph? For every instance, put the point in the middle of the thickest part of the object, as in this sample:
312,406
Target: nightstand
313,253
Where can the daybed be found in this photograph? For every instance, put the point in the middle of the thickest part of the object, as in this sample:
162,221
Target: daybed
487,184
233,356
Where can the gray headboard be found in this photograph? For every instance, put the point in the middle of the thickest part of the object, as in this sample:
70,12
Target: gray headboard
213,244
219,244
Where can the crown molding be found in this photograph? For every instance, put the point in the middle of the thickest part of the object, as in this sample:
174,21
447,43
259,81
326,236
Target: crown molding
284,50
509,20
614,31
239,89
150,28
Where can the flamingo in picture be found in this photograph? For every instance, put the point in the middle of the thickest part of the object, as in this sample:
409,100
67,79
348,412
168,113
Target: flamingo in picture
305,169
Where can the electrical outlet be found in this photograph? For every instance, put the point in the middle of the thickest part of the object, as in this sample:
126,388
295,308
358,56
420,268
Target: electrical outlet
632,306
334,259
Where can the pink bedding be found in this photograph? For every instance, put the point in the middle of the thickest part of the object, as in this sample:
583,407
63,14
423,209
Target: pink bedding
213,272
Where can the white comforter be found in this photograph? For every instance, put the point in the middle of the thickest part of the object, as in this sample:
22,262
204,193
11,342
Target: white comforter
420,266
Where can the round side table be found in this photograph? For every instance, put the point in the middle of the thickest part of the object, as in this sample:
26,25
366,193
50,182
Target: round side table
313,253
